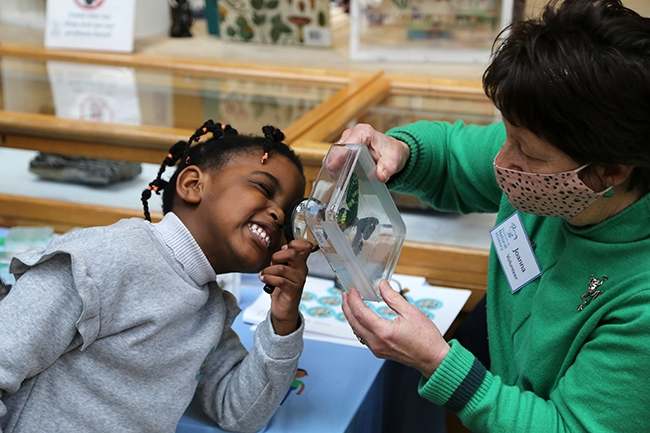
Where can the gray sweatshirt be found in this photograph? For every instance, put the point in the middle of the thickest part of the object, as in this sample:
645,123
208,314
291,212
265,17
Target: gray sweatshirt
114,329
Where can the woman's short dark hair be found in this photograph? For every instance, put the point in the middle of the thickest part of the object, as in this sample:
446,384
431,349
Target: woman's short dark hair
579,78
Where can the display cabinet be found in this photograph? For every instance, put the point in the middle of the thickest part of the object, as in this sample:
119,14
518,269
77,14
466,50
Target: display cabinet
311,106
422,30
449,249
173,97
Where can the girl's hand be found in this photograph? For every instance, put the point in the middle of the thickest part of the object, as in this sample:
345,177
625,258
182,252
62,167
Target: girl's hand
288,273
411,339
389,153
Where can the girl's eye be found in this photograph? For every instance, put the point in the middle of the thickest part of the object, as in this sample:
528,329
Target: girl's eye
265,189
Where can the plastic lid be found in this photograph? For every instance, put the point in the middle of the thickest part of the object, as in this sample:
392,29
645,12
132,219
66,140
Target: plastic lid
353,218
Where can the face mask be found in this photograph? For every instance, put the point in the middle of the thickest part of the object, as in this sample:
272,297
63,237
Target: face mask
558,194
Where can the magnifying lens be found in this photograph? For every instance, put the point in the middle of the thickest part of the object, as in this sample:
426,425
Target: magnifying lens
295,225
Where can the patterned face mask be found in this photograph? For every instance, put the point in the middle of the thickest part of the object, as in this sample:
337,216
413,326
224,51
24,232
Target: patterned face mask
558,194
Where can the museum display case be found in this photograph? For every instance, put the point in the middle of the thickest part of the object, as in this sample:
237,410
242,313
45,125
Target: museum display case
311,106
420,30
164,101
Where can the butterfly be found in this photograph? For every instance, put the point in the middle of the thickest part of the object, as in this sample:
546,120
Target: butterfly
347,217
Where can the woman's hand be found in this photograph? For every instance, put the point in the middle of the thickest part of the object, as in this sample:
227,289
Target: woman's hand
288,273
411,339
389,153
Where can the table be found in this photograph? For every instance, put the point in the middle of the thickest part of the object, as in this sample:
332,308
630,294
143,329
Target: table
342,389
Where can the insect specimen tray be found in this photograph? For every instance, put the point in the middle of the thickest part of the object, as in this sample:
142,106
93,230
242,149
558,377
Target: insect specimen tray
354,220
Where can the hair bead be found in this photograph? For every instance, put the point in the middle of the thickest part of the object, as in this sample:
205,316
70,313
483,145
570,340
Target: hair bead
271,135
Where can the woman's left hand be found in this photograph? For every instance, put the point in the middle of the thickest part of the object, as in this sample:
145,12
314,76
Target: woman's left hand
411,339
288,273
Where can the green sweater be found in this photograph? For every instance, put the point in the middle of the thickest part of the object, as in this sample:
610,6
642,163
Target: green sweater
554,368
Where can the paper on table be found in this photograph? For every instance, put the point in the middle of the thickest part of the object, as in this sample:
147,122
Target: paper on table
325,321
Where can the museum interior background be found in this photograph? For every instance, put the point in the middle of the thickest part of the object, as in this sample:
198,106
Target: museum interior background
310,67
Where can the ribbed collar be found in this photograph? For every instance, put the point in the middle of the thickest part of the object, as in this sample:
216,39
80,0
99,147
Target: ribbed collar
183,247
630,225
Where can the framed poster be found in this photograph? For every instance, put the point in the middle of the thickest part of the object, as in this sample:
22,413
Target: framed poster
454,31
278,22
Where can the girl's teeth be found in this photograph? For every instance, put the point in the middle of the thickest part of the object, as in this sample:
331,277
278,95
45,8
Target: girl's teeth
260,232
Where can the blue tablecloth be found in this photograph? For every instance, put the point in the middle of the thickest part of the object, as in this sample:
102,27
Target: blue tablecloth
342,390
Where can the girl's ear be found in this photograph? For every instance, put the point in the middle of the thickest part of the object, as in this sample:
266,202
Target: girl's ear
190,184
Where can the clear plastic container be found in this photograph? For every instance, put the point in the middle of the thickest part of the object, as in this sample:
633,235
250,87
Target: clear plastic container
352,217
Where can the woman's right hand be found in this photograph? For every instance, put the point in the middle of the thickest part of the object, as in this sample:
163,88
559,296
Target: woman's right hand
411,338
389,153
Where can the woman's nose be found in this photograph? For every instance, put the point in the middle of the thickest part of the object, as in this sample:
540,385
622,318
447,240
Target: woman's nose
509,158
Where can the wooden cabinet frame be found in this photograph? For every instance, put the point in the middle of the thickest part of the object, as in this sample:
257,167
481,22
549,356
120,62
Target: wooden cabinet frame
310,136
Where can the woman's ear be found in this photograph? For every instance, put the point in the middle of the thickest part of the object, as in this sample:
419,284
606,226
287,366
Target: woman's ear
615,174
190,184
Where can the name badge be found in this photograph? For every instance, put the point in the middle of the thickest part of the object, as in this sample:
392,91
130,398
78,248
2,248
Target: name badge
515,253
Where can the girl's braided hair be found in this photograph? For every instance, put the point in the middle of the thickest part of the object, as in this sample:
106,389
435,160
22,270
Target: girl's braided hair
213,154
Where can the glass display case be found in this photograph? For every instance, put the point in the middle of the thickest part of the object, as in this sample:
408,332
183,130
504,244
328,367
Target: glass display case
139,96
411,100
428,30
131,108
167,95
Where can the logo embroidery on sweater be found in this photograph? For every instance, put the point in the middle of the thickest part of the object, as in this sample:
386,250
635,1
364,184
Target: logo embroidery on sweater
592,291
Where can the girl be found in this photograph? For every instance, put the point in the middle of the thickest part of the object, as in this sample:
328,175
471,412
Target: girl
117,328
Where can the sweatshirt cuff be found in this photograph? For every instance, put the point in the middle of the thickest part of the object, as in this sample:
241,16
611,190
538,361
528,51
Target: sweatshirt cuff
428,143
412,142
280,346
459,383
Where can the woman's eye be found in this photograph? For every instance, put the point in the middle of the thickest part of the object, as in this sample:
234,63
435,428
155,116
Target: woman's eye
526,153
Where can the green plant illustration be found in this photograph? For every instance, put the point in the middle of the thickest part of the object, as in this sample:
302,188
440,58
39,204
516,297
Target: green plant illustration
246,32
259,20
401,4
259,15
278,28
274,21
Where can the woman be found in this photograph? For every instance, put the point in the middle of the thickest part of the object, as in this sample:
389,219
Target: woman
568,171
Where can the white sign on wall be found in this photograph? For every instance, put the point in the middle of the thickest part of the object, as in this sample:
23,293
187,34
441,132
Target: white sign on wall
101,25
